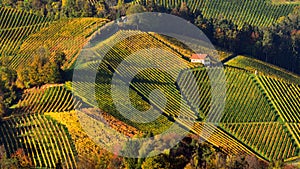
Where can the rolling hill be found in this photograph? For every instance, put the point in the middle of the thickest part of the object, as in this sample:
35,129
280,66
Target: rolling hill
251,104
260,115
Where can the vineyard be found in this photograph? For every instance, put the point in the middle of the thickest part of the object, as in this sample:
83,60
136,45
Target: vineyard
256,13
274,141
15,26
51,99
249,108
261,113
263,68
284,96
84,88
86,148
176,106
244,103
184,47
44,140
23,34
247,112
66,35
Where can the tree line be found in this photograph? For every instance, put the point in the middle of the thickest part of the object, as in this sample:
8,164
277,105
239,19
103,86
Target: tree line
57,9
278,44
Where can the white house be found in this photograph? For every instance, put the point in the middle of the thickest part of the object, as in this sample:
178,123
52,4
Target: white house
201,58
123,19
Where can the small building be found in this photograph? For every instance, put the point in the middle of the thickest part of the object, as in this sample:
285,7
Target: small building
201,58
122,19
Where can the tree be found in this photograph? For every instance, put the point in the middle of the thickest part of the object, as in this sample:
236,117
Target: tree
102,9
2,104
175,12
17,160
23,160
36,4
184,11
9,2
59,59
88,9
8,163
23,77
41,70
135,8
131,148
59,164
238,162
276,164
254,162
68,7
157,162
51,73
202,155
267,43
244,38
7,87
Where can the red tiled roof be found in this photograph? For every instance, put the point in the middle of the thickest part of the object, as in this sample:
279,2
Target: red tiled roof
198,56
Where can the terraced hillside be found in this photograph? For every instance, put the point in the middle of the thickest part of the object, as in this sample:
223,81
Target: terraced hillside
66,35
15,26
44,140
250,107
256,13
